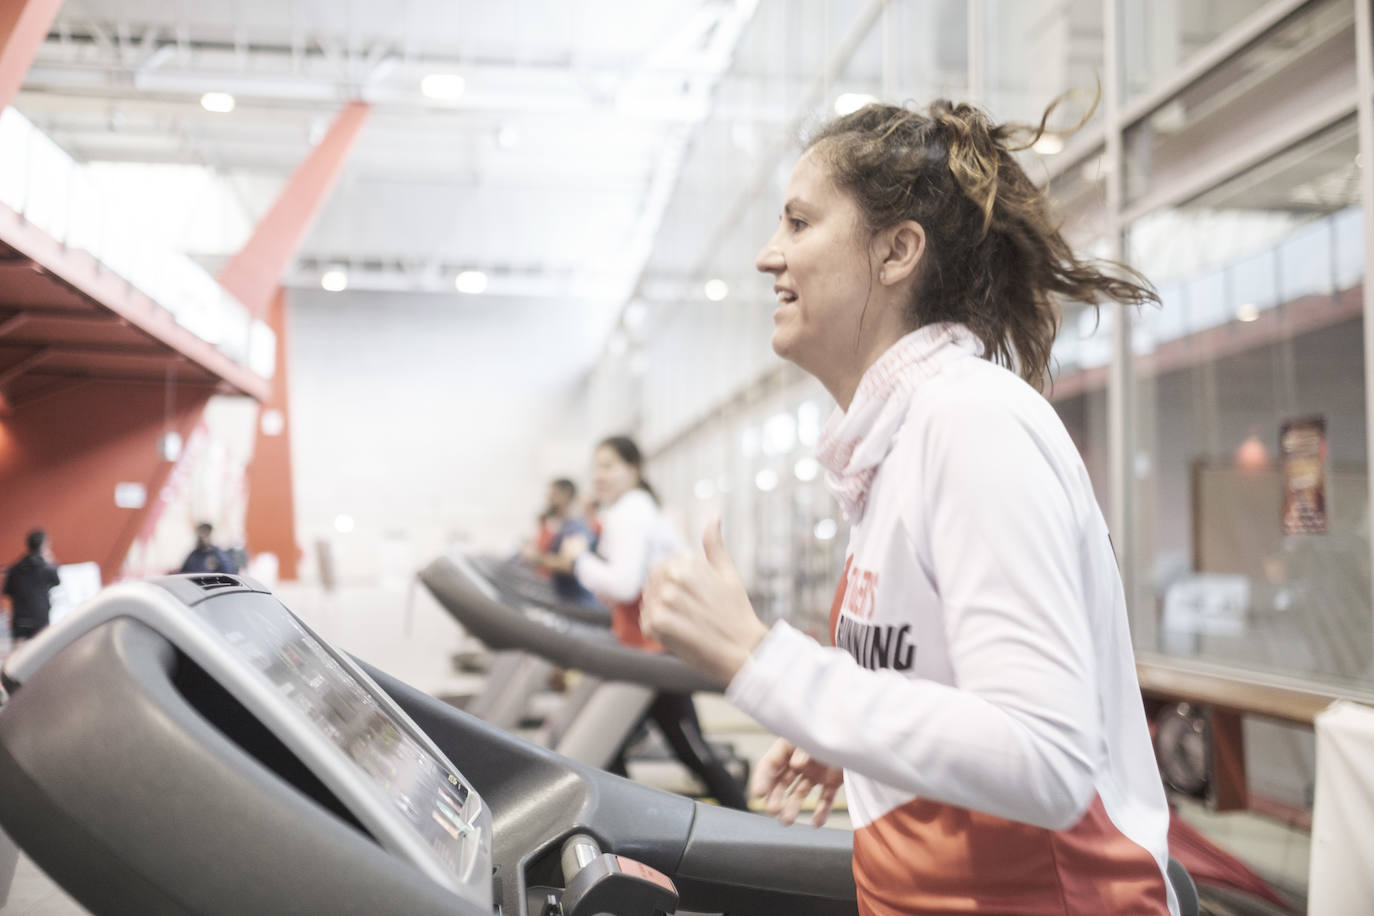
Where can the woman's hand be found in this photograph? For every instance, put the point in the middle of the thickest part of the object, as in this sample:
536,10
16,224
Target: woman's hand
786,775
698,609
573,546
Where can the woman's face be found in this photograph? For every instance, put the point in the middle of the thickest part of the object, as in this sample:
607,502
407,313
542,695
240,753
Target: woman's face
612,476
822,272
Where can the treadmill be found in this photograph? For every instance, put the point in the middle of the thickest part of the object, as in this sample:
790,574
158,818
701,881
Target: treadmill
188,745
514,676
601,716
520,583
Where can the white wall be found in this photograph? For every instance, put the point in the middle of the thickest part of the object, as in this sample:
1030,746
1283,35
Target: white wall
432,419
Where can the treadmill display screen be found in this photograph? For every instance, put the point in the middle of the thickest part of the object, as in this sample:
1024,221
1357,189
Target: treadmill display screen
413,781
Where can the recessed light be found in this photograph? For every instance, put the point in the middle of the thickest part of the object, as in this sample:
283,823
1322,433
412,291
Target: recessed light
218,102
443,87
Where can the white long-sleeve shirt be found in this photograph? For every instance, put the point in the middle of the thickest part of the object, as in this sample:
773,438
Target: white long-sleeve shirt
635,535
981,695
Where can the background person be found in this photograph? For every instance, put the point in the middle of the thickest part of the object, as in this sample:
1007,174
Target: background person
28,584
558,522
635,535
205,557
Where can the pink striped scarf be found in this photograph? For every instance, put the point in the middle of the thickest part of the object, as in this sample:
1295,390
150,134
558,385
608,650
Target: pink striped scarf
854,442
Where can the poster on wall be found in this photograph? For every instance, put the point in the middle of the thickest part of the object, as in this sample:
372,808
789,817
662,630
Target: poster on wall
1302,451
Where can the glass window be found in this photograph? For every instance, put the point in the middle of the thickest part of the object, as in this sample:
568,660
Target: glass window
1252,477
1160,36
1080,360
1298,65
1034,51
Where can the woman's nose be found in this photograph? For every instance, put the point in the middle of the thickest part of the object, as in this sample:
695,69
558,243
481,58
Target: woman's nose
769,259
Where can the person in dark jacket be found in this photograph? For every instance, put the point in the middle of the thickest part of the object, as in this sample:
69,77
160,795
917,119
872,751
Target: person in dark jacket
27,585
206,557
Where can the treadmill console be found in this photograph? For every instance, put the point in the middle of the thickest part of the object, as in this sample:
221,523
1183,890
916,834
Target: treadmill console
421,787
319,704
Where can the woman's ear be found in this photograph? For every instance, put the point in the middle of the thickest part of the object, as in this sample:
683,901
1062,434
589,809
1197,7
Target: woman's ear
900,250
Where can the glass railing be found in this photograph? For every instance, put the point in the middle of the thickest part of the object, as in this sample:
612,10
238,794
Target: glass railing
45,185
1321,258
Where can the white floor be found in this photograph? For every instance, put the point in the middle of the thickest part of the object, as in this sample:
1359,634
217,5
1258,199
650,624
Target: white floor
402,630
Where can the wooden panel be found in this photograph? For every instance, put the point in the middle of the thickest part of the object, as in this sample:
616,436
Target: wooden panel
1162,678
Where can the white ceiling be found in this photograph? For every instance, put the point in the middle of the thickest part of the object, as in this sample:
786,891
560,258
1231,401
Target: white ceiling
550,171
601,149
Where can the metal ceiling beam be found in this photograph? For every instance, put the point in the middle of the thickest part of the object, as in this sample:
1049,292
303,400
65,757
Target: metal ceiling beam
10,324
44,313
24,364
59,350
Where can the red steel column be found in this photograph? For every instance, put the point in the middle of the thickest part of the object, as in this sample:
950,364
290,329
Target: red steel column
23,26
254,276
255,272
270,522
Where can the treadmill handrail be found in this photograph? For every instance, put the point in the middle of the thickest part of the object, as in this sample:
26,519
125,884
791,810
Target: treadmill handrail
513,581
472,600
721,859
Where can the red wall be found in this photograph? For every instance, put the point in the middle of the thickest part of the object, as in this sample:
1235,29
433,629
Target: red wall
61,457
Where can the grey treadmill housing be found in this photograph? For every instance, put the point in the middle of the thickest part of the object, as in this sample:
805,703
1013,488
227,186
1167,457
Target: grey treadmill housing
474,602
141,787
158,793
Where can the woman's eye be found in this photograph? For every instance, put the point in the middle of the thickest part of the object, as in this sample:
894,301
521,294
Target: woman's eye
797,225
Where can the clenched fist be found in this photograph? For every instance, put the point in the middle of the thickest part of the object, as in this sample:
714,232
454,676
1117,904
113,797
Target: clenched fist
698,608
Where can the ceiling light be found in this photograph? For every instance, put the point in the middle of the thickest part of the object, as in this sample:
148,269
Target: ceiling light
1247,312
825,529
779,433
807,469
343,523
635,314
335,280
218,102
717,289
471,281
850,102
169,445
1049,144
443,87
766,480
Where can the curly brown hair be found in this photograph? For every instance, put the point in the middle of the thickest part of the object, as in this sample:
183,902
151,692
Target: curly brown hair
994,258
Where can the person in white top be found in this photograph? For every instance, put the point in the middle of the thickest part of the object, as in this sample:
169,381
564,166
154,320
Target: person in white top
979,704
635,535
